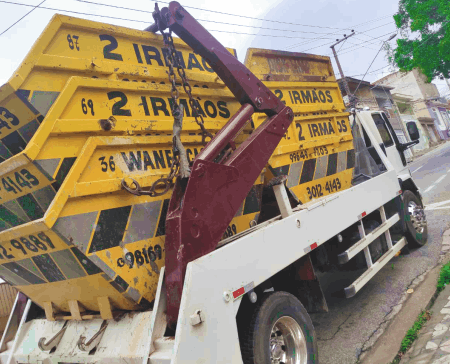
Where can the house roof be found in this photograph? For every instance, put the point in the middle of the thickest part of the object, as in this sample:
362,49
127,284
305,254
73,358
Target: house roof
400,96
353,80
374,85
387,76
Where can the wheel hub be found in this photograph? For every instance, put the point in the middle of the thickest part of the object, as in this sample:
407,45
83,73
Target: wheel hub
417,215
287,342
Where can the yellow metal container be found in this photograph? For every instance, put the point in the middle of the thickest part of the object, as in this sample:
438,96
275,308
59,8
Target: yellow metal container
317,152
76,47
70,233
70,237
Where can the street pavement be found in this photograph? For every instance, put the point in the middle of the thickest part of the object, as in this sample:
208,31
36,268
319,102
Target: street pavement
353,325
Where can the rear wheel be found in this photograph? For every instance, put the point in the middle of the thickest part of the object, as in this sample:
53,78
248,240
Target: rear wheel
279,331
416,224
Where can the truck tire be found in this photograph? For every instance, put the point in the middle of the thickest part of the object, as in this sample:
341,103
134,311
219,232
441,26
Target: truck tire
416,224
279,330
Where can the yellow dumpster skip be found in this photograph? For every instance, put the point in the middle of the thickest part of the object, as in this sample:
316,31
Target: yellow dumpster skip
66,220
316,154
76,47
70,237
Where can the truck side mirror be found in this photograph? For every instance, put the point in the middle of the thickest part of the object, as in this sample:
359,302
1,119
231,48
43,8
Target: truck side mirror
412,130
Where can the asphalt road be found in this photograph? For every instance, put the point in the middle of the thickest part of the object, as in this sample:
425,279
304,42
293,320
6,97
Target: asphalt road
351,325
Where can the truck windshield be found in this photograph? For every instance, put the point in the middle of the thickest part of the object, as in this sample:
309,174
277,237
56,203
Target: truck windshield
383,130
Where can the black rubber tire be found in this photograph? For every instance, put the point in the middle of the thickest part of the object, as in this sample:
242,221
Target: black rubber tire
254,334
413,238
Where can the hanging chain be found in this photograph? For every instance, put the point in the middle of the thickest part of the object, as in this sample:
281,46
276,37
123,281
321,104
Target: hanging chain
164,184
172,60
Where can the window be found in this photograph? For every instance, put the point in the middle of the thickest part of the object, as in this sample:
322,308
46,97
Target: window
366,138
383,130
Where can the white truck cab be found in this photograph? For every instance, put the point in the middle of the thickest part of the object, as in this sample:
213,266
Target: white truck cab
388,141
382,131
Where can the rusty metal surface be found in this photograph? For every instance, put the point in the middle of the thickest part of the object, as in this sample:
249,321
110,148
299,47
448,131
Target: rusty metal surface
271,65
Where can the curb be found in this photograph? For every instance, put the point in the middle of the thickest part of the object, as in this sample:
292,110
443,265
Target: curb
396,309
418,156
443,258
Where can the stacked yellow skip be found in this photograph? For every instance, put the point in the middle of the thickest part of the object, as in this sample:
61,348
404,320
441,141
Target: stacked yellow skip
91,105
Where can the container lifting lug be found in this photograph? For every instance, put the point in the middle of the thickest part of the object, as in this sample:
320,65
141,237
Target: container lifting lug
94,341
54,341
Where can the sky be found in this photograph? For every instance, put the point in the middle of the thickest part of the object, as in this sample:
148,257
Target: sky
289,25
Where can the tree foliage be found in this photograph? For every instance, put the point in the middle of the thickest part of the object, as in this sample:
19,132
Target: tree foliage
425,37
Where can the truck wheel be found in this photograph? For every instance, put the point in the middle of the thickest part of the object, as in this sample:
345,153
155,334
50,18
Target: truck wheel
416,223
280,331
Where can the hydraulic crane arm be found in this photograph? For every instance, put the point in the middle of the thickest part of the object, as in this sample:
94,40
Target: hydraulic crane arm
202,207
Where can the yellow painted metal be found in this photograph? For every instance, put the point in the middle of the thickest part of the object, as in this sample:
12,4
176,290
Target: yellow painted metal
270,65
316,152
68,231
60,185
71,174
75,47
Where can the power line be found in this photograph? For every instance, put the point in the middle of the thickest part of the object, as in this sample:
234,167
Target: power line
362,33
146,22
321,45
34,8
256,34
371,63
223,13
370,71
362,42
342,45
358,45
74,12
444,22
205,20
387,65
370,41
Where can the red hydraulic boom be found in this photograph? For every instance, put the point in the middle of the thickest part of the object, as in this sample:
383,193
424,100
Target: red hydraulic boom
203,205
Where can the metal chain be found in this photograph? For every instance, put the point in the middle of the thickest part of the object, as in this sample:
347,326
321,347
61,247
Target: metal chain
172,59
164,184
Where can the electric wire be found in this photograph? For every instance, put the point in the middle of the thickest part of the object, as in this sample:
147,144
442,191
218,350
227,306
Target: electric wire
357,33
358,45
222,13
146,22
328,43
34,8
205,20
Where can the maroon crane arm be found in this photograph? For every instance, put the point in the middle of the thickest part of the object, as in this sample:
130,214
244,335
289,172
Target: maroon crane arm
202,207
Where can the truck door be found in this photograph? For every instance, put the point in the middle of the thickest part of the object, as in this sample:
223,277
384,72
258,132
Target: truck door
390,141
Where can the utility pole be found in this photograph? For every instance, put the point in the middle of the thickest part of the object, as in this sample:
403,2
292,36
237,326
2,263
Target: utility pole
347,89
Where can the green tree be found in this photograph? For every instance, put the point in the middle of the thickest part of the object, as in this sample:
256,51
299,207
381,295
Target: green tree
425,44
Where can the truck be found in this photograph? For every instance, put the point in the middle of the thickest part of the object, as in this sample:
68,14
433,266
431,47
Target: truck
285,184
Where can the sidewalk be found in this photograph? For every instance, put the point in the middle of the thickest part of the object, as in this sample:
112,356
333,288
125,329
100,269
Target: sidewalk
433,343
423,152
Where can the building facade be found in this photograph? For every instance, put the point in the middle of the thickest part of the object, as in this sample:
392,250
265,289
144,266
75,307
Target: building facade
425,101
406,111
377,97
